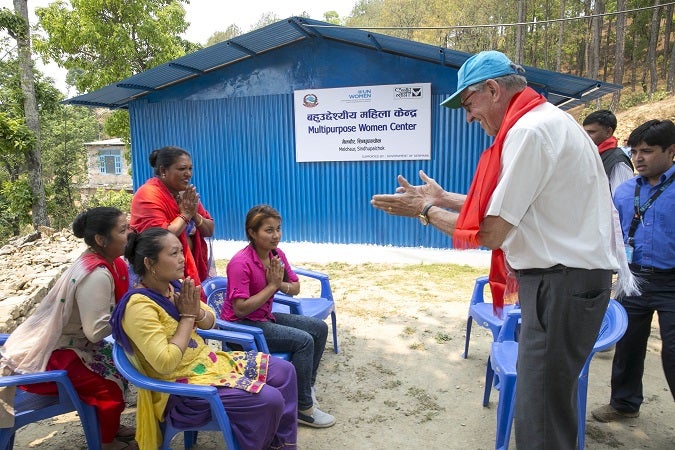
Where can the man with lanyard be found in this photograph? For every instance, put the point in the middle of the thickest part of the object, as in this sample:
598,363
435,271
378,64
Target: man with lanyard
600,126
646,207
524,203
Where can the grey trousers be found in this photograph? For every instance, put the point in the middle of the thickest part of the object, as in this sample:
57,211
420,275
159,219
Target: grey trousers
562,310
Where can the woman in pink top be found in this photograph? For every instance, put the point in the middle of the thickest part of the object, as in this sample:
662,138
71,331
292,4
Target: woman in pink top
254,275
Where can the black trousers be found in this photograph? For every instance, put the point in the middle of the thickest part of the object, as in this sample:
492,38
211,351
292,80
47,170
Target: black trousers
658,294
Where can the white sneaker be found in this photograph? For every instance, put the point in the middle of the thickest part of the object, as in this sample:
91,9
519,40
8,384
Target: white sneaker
314,417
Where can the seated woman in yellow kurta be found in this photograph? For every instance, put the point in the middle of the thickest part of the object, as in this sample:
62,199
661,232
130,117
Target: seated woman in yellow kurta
155,324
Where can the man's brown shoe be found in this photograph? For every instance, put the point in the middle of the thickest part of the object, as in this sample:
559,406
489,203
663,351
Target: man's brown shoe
608,413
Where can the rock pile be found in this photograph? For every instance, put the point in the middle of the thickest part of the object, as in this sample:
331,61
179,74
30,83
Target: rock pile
30,266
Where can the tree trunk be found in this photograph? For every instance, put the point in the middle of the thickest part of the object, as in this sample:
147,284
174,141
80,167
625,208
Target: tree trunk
596,38
670,79
651,53
33,158
558,56
666,40
618,53
520,34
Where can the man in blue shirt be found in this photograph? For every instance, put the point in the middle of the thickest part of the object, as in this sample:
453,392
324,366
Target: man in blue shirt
646,205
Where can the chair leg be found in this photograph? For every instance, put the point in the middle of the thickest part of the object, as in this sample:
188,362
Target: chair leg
468,336
489,378
333,319
189,439
507,395
582,392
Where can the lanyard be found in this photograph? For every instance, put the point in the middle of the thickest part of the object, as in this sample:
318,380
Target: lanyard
640,210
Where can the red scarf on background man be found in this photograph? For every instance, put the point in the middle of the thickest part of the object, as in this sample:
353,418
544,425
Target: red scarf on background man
608,144
482,186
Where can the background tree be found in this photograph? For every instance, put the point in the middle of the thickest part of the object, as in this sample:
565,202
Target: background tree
103,41
65,131
221,36
17,27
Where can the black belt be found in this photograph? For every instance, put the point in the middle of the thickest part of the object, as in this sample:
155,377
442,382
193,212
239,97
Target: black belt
556,268
648,269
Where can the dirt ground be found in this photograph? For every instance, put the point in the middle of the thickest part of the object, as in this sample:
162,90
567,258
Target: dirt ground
399,380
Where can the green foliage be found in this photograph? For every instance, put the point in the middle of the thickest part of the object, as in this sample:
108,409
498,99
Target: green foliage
103,41
64,159
11,22
222,36
630,99
16,200
117,124
119,199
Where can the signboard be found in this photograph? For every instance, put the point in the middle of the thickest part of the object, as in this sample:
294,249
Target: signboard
363,123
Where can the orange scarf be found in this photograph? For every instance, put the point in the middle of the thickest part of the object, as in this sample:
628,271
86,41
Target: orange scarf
153,206
482,186
607,144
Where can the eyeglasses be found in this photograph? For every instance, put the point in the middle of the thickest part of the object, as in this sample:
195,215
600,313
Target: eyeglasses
464,104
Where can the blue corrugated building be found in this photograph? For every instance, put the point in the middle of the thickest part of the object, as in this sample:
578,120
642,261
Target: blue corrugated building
231,106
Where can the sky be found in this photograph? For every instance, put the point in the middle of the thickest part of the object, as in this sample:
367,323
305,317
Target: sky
208,16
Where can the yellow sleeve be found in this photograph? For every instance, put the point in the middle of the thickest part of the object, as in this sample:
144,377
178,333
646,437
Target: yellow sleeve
149,329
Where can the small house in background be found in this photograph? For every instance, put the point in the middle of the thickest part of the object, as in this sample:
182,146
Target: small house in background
107,168
246,107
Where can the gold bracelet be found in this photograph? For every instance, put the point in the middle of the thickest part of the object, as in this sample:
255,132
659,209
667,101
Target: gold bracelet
203,315
201,221
288,288
189,316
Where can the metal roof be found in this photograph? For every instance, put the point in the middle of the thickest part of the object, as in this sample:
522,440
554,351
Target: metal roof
566,91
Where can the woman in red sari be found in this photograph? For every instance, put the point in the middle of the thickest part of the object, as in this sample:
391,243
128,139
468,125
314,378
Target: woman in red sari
168,200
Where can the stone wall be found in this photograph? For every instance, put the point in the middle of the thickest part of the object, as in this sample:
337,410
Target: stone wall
30,266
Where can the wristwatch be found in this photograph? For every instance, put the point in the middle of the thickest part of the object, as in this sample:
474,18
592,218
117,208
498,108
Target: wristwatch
424,219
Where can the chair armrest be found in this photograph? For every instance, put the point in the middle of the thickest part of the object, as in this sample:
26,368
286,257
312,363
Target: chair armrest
144,382
478,289
293,303
245,340
257,333
508,331
57,376
326,291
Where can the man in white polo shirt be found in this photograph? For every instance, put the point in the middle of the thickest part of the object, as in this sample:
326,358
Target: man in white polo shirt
540,199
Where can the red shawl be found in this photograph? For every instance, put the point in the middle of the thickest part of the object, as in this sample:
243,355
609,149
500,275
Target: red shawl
118,270
608,144
483,185
153,206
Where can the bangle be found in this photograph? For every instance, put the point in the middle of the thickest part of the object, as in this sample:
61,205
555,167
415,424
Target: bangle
201,221
189,316
288,288
203,316
184,217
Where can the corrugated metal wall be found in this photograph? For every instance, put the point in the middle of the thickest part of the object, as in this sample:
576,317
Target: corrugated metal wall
243,153
237,123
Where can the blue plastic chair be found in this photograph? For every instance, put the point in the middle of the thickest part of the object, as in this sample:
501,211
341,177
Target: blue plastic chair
219,420
319,307
613,327
29,408
504,355
215,289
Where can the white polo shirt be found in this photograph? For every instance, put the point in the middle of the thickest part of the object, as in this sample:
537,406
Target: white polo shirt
553,189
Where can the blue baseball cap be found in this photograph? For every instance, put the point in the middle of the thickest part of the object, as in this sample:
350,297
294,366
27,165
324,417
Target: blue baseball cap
480,67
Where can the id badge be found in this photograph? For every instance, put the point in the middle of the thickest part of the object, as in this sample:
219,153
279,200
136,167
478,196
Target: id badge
629,253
